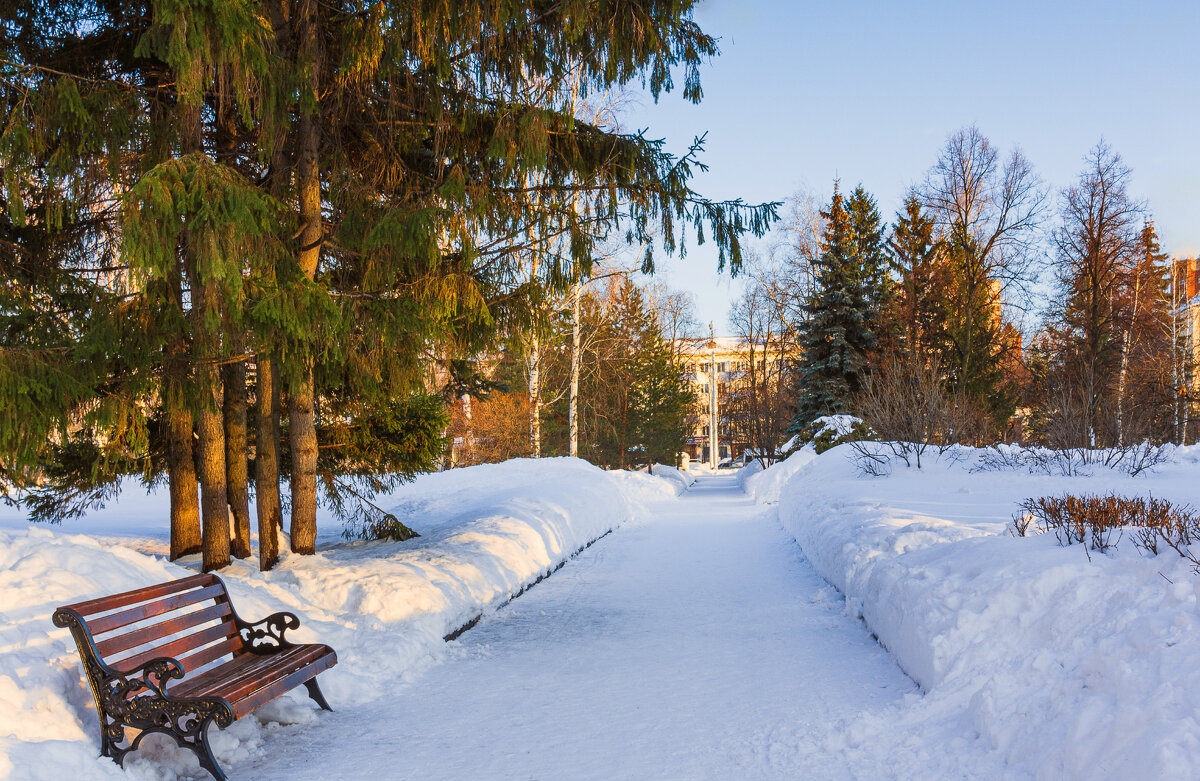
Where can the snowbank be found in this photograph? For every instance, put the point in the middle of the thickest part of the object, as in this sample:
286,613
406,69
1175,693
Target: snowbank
1068,667
383,606
667,482
682,480
764,485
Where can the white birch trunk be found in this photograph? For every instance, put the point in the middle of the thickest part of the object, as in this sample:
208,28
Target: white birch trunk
535,396
575,364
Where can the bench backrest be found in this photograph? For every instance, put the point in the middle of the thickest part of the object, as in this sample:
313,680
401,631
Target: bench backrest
190,619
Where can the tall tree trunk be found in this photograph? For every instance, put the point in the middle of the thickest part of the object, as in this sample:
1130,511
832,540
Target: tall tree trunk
301,412
181,468
210,430
237,476
267,446
1126,346
236,446
468,451
303,442
214,503
575,364
535,364
266,465
181,463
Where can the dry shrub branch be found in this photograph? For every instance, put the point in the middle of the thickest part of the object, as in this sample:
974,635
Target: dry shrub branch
1100,521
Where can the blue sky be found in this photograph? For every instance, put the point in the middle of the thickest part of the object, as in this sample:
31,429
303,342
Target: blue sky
868,91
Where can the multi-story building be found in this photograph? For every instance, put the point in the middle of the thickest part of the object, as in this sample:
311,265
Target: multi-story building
1185,300
723,363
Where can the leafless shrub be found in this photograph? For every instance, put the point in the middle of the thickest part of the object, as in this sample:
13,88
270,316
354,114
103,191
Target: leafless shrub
1145,539
874,459
906,406
1002,458
1075,461
1096,520
1021,524
1138,458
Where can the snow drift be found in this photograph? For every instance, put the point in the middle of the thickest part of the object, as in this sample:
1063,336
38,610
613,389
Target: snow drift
1070,664
487,532
764,485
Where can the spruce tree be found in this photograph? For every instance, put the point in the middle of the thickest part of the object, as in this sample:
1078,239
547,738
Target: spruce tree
919,308
871,253
836,333
661,398
329,189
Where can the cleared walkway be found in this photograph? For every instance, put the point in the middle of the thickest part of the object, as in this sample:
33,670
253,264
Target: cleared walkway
699,644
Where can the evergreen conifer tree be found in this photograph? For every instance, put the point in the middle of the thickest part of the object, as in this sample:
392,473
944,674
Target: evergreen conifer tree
871,252
836,333
919,306
327,188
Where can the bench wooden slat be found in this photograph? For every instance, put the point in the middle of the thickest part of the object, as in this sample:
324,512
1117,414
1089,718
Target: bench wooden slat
99,626
267,693
117,643
230,677
250,681
210,653
114,601
176,647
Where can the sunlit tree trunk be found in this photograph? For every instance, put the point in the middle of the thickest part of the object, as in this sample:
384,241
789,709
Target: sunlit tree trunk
302,410
266,464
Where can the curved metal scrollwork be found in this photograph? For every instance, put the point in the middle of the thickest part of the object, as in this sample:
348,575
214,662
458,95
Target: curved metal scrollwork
266,636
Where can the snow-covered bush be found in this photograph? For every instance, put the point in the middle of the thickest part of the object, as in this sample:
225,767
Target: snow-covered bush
829,431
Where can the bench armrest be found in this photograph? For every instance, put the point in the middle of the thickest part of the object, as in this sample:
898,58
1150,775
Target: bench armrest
152,675
266,636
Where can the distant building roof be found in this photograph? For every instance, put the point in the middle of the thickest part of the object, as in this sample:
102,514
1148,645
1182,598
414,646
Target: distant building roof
726,344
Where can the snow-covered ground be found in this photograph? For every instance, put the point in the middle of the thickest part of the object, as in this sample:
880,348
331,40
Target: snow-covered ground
698,641
1067,663
384,606
764,485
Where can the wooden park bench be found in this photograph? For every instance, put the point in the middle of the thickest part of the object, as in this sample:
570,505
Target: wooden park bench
133,644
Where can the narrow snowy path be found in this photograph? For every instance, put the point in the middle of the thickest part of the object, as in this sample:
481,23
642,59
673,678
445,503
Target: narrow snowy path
699,644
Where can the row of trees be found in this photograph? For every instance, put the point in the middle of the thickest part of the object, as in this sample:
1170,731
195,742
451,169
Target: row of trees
237,237
611,384
939,297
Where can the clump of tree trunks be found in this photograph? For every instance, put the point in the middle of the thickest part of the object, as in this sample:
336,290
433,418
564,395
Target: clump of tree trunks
235,235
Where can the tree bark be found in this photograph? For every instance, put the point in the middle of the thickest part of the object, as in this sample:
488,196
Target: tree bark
303,442
535,397
301,413
210,430
181,470
237,475
234,374
214,503
266,465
